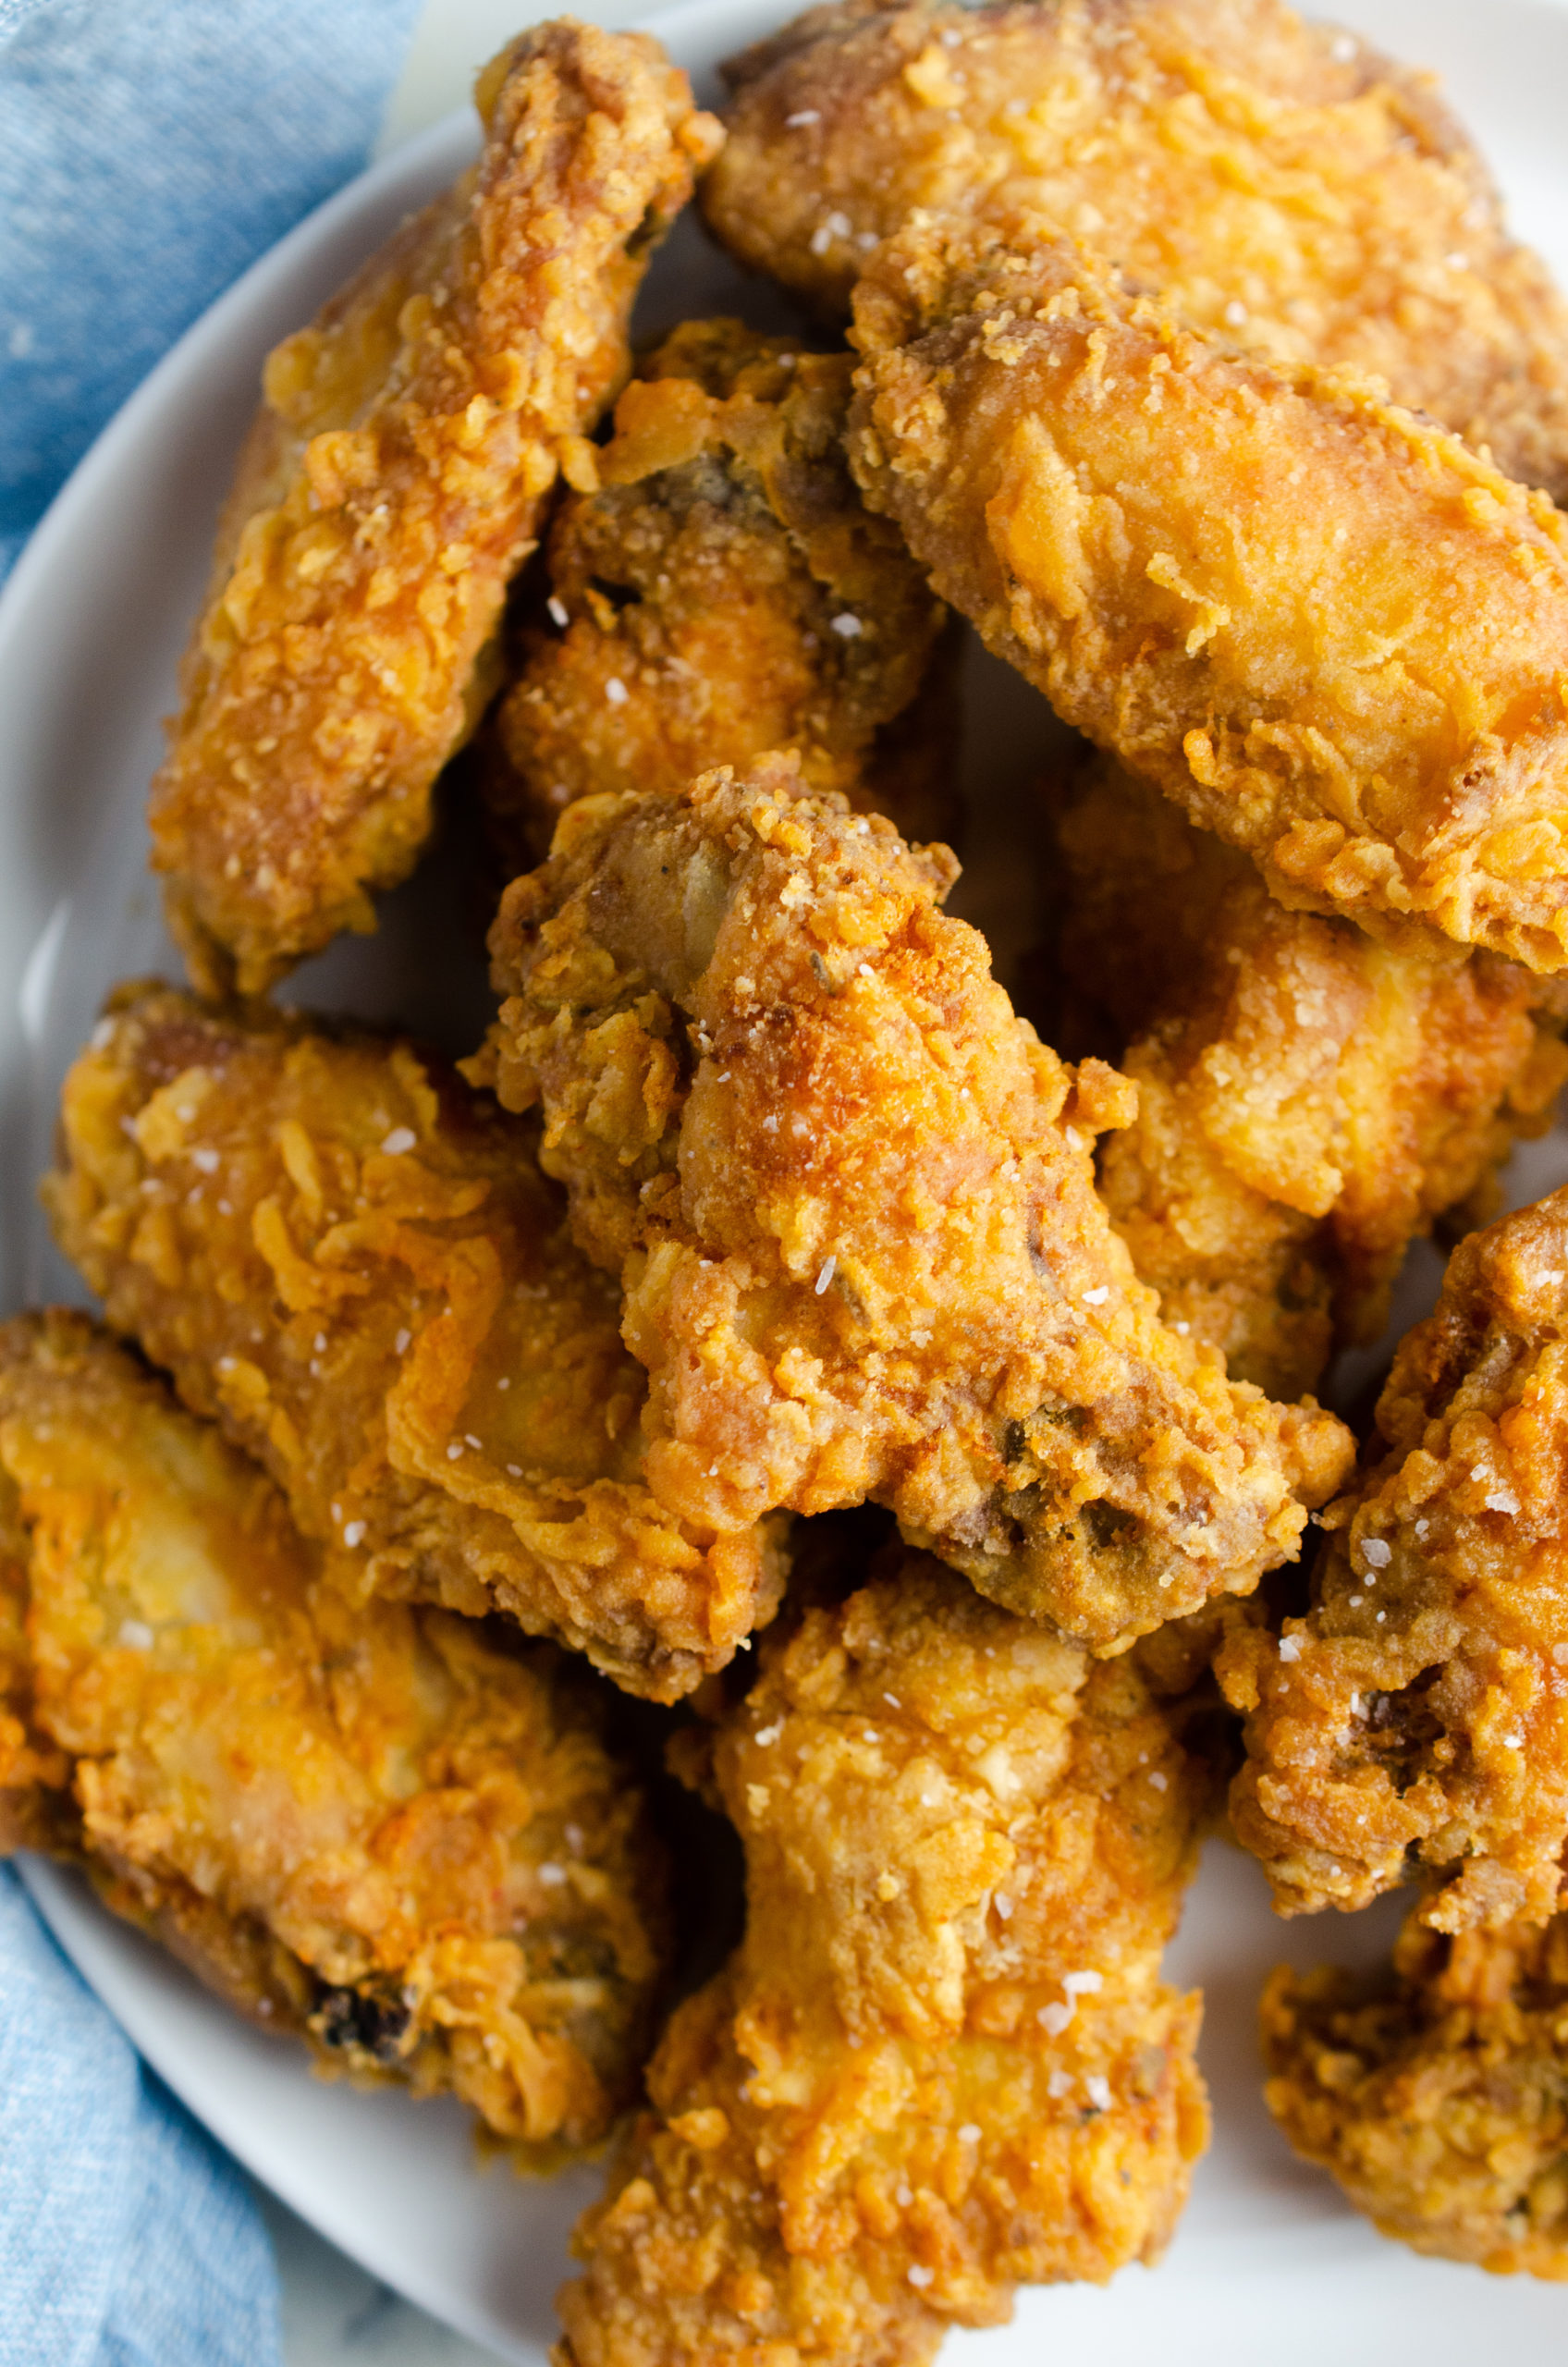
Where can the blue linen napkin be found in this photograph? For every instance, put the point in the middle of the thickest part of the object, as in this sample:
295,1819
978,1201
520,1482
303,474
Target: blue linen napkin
127,2238
149,151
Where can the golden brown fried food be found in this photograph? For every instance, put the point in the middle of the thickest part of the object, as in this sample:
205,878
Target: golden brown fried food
942,2063
1309,1101
1331,633
354,1263
1419,1717
375,1828
391,485
852,1198
1280,183
723,592
1435,2095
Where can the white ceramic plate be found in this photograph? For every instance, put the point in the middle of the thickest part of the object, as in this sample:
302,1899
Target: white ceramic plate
1270,2263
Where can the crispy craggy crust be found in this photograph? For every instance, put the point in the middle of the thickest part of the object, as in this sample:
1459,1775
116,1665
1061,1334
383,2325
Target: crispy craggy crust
354,1263
1437,2093
1331,633
392,484
1419,1717
375,1828
1309,1100
852,1198
724,591
942,2063
1284,187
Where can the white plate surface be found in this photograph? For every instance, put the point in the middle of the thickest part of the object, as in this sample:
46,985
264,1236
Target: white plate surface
1269,2265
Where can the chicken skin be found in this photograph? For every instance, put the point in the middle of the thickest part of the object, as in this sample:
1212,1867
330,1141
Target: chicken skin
725,592
354,1263
1309,1101
1280,183
378,1829
942,2062
391,485
1435,2094
852,1197
1331,632
1418,1719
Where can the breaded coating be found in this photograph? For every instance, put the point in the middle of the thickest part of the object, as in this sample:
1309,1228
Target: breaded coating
1418,1719
377,1829
853,1199
353,1262
942,2062
392,484
1331,633
1309,1101
726,592
1280,183
1435,2095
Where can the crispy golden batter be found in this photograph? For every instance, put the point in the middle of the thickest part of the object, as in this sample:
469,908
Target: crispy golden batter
1309,1101
392,484
729,578
1283,185
1331,633
852,1197
1419,1717
1437,2096
942,2062
355,1264
376,1828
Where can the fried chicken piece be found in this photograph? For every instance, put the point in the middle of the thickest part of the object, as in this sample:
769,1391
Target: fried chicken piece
1284,186
1331,633
1418,1716
853,1199
1309,1101
353,1262
726,592
392,484
942,2062
1435,2095
374,1828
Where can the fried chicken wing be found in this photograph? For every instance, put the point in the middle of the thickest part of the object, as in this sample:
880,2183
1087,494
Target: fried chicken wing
1281,183
1417,1718
391,485
353,1262
942,2063
852,1198
1309,1101
1331,633
1436,2093
726,592
373,1828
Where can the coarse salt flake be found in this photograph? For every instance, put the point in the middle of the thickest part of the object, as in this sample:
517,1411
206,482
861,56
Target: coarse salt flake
848,627
826,1276
207,1160
553,1876
558,611
1377,1551
970,2133
1097,1298
616,691
1160,1783
1096,2087
1053,2020
400,1139
354,1534
921,2278
802,117
1059,2084
401,1342
136,1636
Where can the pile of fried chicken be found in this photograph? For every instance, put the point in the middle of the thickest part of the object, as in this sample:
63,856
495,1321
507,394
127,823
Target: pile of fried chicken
765,1320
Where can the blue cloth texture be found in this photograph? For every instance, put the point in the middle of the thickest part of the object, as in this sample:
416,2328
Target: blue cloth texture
127,2238
149,151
